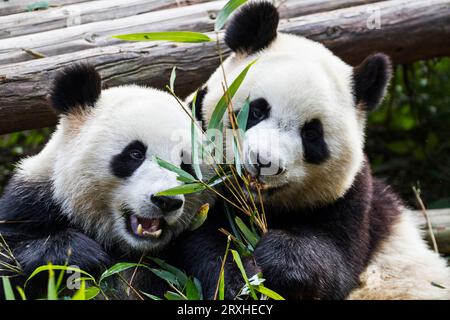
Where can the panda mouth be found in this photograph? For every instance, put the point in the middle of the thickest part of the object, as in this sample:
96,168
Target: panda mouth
146,227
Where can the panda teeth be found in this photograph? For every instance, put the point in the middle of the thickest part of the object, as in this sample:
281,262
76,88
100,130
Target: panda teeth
155,234
140,230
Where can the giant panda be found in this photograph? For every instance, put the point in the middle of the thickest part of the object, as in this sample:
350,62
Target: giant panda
335,231
89,197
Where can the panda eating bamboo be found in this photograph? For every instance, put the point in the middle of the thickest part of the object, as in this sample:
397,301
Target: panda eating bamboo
89,197
335,231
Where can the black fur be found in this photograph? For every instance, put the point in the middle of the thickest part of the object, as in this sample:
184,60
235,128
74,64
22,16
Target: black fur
199,104
315,253
38,233
259,111
315,149
77,86
124,164
371,78
252,28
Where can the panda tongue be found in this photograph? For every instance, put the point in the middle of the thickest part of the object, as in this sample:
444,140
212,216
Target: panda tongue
149,225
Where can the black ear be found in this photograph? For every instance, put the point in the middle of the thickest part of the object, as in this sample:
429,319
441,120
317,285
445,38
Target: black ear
371,79
77,86
253,27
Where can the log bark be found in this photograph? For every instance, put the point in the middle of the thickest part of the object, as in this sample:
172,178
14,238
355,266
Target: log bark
23,86
440,222
200,17
81,13
17,6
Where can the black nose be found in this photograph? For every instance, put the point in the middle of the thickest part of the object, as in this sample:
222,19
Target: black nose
166,203
258,163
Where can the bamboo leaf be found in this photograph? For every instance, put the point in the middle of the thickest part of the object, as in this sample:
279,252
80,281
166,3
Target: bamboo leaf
251,238
200,217
171,167
192,292
194,144
226,11
81,293
242,117
151,296
169,295
180,275
52,292
221,107
183,189
238,261
7,289
56,267
173,36
267,292
198,285
117,268
166,276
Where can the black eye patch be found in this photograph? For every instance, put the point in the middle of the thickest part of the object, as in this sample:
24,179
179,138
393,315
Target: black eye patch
125,163
315,149
259,111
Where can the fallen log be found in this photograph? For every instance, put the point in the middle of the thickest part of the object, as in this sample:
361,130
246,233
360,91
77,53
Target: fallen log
200,17
16,6
440,222
23,86
81,13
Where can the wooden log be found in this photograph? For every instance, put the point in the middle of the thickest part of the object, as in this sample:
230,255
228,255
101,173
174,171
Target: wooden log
16,6
81,13
23,86
98,33
440,222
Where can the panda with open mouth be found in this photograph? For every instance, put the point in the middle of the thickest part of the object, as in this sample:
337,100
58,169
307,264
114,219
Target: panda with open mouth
89,198
335,231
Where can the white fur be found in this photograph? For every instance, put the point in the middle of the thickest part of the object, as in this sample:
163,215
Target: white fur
405,268
77,162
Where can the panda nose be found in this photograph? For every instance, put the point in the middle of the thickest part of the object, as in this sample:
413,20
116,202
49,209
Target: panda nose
167,204
258,163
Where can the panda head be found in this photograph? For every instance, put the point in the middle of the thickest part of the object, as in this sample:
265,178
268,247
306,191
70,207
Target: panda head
104,175
305,131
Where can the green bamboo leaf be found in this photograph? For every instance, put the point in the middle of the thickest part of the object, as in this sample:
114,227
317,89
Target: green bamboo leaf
194,142
267,292
238,261
91,292
57,267
251,238
173,76
221,107
173,36
222,286
200,217
7,289
169,295
21,293
180,275
198,285
228,9
166,276
81,293
117,268
183,189
52,292
151,296
192,292
242,117
171,167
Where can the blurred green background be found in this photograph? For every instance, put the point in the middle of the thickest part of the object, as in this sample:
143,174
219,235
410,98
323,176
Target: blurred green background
408,138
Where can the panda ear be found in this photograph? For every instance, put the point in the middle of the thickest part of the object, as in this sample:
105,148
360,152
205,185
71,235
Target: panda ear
77,86
252,28
371,79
